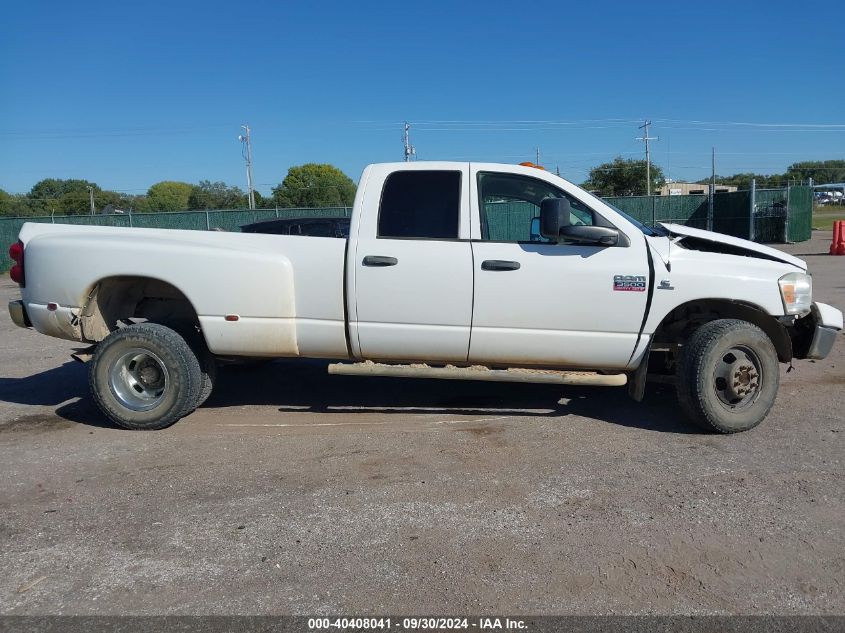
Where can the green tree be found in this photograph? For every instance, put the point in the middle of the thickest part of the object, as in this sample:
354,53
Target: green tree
135,204
821,171
216,195
623,177
169,195
57,187
315,185
743,180
56,195
12,205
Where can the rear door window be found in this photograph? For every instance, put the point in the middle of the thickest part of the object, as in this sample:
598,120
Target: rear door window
420,205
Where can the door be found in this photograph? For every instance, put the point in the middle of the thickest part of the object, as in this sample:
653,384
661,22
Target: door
413,279
541,303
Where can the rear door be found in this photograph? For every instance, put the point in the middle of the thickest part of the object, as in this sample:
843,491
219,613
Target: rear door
413,265
541,303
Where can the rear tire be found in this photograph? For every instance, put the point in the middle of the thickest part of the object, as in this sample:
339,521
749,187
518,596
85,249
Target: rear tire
207,361
208,370
145,377
728,376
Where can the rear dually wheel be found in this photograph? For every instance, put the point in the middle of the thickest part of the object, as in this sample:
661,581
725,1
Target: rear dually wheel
145,377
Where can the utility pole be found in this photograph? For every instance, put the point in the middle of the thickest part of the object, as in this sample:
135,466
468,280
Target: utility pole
645,137
410,151
713,167
91,198
711,199
752,208
246,152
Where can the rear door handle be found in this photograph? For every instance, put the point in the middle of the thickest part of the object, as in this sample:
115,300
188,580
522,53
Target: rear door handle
379,260
499,264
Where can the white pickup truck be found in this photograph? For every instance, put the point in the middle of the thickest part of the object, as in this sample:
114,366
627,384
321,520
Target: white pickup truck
451,270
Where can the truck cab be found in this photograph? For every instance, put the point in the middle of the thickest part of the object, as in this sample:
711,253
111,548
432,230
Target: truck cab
446,267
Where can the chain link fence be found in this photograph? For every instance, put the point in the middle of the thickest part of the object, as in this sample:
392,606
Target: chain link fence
769,215
689,210
762,215
217,219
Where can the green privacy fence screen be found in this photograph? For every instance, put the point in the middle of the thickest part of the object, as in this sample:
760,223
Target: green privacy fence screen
512,220
800,215
509,221
688,210
732,213
779,215
225,219
770,214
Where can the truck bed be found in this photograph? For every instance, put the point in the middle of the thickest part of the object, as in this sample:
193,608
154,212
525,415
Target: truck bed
286,291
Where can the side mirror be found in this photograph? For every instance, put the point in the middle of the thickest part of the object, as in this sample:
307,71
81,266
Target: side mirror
554,216
601,235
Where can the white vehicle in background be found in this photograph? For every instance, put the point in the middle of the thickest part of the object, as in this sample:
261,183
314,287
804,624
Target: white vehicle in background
442,266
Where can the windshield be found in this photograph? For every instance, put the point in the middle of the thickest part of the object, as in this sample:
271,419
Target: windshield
652,232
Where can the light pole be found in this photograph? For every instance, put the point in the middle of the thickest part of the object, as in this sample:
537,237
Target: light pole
246,152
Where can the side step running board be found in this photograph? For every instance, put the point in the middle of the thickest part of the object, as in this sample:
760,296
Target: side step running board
541,376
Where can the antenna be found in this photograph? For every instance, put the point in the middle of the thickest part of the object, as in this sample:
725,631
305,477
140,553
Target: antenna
246,152
410,150
645,137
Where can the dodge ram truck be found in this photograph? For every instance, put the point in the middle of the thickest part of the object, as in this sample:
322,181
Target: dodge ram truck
450,270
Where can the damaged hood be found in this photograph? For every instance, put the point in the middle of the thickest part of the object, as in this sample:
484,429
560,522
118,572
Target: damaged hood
730,245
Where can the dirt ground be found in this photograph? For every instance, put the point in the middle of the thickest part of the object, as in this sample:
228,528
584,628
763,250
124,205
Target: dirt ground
292,491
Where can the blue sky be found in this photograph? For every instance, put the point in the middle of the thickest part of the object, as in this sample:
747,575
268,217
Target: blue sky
128,94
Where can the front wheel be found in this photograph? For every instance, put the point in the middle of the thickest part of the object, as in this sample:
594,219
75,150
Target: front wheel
728,376
145,377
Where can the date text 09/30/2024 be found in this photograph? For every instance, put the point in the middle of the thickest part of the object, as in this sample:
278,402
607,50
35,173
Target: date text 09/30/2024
416,624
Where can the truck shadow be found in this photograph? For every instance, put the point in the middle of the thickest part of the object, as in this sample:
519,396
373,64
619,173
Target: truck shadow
304,386
48,388
67,383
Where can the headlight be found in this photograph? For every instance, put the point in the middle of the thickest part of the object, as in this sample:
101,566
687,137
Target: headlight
796,291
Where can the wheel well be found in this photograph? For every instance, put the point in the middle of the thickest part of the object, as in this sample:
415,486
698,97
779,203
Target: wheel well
677,326
118,299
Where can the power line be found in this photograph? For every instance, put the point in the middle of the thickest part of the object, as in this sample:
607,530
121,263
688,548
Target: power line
623,121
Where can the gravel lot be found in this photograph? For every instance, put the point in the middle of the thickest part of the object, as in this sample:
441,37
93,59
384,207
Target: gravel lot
292,491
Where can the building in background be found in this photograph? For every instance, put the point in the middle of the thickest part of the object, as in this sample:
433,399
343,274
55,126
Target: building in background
691,188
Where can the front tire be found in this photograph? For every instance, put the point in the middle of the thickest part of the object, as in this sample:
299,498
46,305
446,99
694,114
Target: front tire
728,376
145,377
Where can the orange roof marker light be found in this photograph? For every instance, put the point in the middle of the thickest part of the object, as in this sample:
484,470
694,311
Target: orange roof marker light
528,163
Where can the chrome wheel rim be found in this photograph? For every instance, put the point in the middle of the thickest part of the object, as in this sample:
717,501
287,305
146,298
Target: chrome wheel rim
139,379
738,378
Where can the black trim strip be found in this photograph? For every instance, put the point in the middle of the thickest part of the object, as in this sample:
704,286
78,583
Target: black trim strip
346,324
648,298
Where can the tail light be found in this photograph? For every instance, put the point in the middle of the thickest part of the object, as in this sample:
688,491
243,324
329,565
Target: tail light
16,272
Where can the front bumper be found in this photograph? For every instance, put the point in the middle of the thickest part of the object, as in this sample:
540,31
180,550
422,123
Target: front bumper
822,342
17,311
818,332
